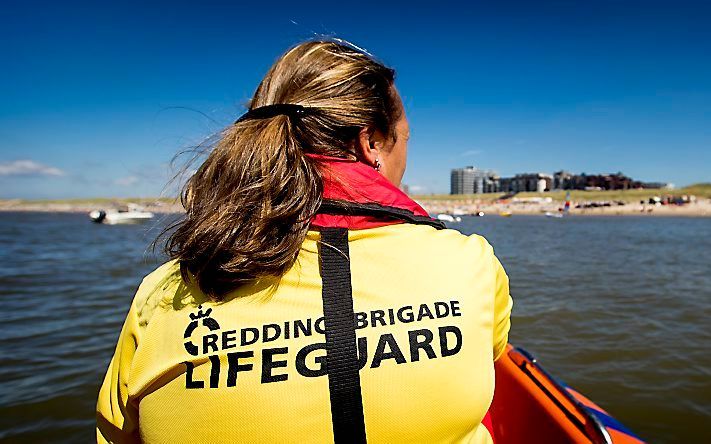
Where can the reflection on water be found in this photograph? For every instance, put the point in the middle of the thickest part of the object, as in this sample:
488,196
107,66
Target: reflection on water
616,307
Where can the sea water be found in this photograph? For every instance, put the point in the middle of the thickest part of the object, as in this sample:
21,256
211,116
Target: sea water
617,307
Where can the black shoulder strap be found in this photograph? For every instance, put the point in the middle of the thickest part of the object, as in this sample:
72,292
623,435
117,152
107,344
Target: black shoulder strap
341,350
346,208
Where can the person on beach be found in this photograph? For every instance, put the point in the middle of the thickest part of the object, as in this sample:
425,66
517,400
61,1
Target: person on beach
308,299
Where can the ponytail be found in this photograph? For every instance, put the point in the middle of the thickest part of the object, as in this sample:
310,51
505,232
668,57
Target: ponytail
249,205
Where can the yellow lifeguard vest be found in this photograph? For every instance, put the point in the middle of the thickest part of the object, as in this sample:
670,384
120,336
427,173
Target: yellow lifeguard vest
385,330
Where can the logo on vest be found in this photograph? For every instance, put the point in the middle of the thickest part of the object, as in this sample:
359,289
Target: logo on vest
198,318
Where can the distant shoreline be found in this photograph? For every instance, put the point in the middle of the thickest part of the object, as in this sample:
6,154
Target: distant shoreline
160,206
583,203
696,209
450,205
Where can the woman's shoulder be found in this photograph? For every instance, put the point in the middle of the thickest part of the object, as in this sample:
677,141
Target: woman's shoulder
159,288
472,246
452,240
450,248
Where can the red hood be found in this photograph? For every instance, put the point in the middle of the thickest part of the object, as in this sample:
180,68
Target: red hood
353,181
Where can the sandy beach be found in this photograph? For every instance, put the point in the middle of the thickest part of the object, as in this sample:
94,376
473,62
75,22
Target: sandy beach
700,208
161,206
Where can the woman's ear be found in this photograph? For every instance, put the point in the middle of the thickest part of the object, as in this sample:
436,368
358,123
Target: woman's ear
369,145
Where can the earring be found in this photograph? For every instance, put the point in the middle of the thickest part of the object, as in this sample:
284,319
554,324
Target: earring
377,164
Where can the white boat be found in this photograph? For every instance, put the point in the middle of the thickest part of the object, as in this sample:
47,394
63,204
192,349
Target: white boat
448,218
556,215
132,214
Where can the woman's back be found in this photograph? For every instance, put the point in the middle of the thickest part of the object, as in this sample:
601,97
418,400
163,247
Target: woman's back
252,368
308,299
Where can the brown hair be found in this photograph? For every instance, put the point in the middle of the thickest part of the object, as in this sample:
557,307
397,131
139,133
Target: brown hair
249,205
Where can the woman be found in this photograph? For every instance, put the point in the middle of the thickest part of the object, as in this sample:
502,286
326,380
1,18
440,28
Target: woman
308,299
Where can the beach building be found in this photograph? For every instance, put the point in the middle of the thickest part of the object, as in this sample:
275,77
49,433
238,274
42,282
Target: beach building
562,180
471,180
536,182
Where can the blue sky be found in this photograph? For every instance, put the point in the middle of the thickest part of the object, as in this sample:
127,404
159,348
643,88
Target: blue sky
96,99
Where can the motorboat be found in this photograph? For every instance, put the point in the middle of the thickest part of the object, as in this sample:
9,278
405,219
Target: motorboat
131,214
505,214
555,215
448,218
531,406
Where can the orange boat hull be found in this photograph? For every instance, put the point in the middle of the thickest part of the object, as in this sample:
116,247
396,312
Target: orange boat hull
530,406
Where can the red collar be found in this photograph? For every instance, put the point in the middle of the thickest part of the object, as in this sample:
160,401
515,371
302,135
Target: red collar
353,181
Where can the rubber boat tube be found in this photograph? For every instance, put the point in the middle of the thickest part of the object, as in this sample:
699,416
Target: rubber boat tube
531,406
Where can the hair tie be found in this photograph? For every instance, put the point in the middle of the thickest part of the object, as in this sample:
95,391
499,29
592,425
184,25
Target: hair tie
265,112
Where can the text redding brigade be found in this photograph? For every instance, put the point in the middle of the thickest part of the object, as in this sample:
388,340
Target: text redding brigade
310,361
